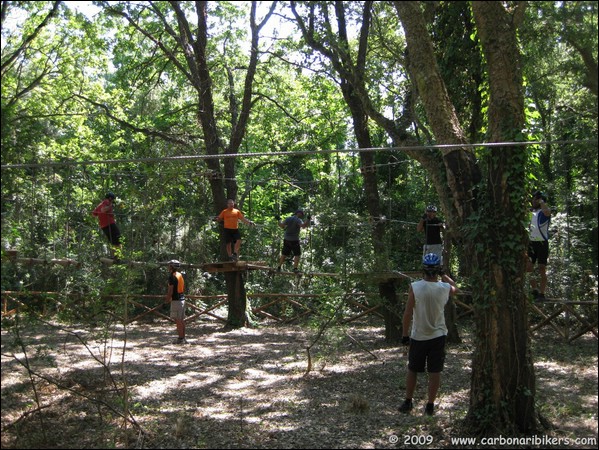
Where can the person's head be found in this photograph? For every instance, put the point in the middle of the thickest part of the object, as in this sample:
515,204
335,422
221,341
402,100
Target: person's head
110,196
431,264
174,265
536,197
299,213
230,203
431,210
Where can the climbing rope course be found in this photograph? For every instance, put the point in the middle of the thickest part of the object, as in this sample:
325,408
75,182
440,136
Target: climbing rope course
164,210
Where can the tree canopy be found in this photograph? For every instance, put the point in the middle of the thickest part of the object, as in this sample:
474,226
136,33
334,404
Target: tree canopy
362,113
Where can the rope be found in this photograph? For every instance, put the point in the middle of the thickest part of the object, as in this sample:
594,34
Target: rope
301,152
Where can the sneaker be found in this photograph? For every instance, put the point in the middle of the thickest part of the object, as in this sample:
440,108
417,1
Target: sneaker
180,341
296,270
540,297
278,268
429,409
406,406
235,257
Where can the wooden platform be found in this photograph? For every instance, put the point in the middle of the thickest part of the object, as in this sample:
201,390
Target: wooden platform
234,266
12,255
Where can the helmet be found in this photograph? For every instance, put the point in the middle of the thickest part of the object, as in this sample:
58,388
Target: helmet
539,194
299,211
431,260
110,195
174,263
431,208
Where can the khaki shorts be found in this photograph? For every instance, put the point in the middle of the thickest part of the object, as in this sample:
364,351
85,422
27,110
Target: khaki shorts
178,309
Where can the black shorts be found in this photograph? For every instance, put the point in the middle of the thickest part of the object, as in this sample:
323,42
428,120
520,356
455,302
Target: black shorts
291,247
113,234
232,235
538,251
429,354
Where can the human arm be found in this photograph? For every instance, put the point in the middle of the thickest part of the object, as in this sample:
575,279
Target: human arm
407,316
447,279
545,208
169,294
247,222
99,209
420,226
306,223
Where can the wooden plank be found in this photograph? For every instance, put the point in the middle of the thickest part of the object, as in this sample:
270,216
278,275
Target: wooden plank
586,325
548,320
205,311
234,266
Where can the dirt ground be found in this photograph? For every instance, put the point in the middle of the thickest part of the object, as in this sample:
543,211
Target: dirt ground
247,388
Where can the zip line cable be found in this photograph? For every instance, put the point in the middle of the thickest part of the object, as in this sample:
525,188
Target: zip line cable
295,153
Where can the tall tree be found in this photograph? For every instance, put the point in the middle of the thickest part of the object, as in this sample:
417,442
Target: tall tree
187,47
460,171
502,393
336,47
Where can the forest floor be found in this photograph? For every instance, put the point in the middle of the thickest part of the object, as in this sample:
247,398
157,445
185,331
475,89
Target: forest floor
248,388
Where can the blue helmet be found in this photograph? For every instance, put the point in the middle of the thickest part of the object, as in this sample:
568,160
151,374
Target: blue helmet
110,195
431,260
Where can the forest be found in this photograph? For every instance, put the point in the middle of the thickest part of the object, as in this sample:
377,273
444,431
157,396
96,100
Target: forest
361,114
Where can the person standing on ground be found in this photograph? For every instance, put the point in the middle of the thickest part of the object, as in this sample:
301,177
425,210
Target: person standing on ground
291,240
538,243
231,217
425,310
432,227
176,297
105,214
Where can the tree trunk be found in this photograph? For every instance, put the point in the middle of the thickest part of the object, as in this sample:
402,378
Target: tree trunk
237,300
502,391
502,397
392,312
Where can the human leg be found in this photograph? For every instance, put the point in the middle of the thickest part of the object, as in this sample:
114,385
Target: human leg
434,382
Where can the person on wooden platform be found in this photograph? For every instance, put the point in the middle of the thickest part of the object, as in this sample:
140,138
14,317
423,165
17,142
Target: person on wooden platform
291,240
538,244
425,310
231,216
432,227
105,214
176,297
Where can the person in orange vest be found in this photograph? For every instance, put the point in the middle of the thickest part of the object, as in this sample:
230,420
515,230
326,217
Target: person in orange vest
231,217
176,298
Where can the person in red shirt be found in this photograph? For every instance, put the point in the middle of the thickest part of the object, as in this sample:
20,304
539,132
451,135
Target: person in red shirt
231,217
104,213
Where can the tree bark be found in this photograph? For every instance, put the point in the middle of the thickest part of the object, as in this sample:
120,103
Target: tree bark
503,381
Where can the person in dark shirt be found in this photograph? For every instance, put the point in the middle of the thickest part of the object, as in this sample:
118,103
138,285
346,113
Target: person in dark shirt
291,240
432,227
176,298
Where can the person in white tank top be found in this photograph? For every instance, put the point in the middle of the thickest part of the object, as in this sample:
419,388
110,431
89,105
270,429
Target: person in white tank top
425,311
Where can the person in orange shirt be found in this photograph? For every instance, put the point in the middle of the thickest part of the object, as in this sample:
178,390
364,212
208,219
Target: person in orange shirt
231,217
